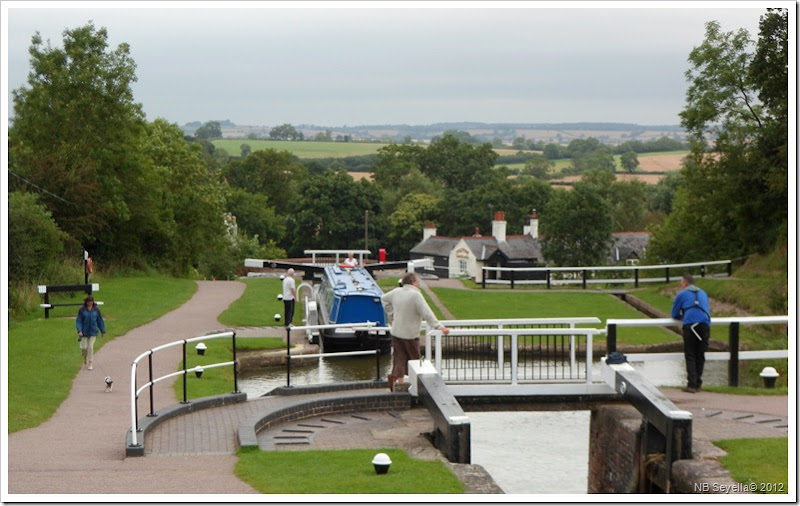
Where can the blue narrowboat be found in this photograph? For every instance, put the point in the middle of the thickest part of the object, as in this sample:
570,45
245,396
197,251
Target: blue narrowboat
350,295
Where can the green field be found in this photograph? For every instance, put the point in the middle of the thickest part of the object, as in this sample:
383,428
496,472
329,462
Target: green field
301,149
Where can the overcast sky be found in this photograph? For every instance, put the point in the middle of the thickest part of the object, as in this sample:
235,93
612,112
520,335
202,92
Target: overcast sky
334,64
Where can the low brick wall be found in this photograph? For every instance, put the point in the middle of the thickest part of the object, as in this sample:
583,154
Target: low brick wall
616,466
614,442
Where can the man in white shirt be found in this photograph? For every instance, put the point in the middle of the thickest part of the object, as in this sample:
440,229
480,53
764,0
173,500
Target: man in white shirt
289,296
406,308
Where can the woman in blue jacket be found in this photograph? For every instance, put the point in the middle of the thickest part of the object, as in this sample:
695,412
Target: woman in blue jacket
691,306
88,322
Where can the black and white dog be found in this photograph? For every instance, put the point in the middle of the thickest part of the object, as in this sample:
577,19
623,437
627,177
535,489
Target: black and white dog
108,383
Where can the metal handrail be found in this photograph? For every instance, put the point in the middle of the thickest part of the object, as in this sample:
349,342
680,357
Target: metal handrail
733,323
514,334
635,268
503,322
605,267
357,326
152,381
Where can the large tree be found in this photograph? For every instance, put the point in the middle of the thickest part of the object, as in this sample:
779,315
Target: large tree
576,227
735,195
458,165
75,133
329,213
274,174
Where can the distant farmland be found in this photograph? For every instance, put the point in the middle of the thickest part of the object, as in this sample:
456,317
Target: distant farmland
652,166
301,149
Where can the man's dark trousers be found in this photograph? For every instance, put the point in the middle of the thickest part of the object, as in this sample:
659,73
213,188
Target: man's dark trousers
288,312
694,351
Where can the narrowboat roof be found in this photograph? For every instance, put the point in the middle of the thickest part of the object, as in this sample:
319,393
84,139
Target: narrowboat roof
355,281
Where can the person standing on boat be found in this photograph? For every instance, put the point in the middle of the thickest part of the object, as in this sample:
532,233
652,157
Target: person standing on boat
350,261
691,306
289,296
406,308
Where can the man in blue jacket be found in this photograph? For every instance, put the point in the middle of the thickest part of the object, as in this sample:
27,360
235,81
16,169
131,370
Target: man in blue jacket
691,306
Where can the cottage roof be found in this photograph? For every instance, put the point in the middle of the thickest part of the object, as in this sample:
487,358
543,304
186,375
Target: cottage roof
629,245
435,245
521,247
515,247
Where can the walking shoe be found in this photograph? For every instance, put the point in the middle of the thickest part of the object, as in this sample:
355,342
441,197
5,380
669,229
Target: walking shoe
689,389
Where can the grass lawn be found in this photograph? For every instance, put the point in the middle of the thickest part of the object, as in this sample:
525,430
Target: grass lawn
219,380
759,463
43,354
342,472
468,304
258,305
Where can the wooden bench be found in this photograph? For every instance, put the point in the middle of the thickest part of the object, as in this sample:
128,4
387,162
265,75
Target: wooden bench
46,290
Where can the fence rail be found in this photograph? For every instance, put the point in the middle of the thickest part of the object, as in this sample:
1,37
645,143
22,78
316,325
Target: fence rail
135,390
518,275
733,322
511,356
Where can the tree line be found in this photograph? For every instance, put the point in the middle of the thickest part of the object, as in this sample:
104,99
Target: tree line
88,171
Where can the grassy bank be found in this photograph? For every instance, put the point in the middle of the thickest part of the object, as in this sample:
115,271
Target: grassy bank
43,354
760,464
259,304
220,379
342,472
541,304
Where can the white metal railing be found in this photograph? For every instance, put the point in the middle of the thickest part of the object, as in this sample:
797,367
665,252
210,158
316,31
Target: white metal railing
328,253
733,356
721,355
152,381
585,279
516,337
507,323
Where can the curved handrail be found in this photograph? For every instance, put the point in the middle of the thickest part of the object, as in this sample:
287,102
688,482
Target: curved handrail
149,353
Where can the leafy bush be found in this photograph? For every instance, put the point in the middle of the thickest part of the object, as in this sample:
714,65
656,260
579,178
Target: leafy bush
34,239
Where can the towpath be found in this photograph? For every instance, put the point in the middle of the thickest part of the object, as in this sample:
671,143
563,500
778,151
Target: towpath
81,449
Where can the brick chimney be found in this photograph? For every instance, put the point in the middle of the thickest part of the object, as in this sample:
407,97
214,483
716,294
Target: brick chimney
429,230
499,226
533,228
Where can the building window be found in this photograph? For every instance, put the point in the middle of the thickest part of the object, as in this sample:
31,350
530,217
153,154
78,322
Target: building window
462,266
632,261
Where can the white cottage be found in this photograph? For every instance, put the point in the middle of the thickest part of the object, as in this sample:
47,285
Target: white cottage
466,256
